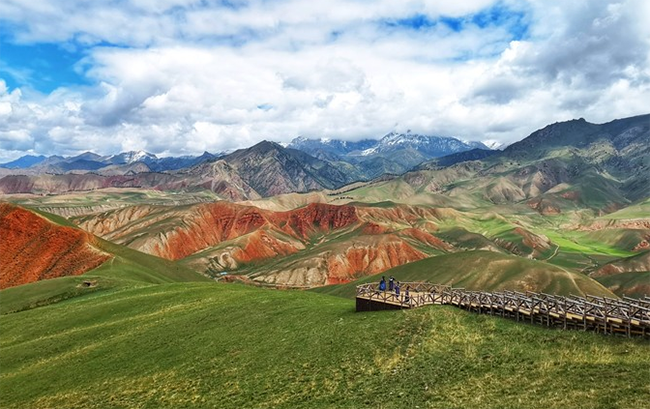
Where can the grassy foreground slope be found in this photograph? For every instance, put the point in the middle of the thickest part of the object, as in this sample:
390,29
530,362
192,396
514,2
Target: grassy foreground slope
230,346
486,271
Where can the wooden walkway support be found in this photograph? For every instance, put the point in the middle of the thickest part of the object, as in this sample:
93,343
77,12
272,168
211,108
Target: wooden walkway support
627,316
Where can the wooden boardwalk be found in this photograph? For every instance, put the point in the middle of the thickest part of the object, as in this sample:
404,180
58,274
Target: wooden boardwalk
627,316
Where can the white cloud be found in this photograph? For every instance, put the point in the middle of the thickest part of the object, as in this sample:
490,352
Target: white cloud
194,79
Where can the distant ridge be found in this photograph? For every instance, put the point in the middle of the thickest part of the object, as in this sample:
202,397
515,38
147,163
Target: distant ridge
23,162
89,161
599,166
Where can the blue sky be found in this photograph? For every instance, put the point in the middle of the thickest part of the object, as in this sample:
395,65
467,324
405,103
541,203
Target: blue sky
41,66
45,66
183,76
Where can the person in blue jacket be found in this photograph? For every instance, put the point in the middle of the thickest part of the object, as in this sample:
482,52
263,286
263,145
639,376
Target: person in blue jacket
382,284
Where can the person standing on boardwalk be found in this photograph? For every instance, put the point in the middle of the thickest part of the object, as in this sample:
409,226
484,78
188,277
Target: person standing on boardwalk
406,294
391,283
397,290
382,284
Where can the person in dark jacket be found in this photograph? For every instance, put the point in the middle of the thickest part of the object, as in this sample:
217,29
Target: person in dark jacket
391,283
382,284
406,294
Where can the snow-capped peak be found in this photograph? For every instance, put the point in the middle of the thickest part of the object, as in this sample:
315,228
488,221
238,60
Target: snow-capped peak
394,138
137,156
368,152
141,155
492,143
132,157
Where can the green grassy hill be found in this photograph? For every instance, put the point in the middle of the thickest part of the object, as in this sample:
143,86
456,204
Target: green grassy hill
200,345
635,284
487,271
127,268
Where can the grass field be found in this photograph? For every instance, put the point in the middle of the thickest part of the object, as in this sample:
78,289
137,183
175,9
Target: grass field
631,284
581,242
483,270
638,210
230,346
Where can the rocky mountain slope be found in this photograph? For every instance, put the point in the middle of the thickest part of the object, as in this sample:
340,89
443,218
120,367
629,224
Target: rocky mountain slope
638,263
565,165
486,271
265,169
395,153
322,243
570,195
33,248
271,169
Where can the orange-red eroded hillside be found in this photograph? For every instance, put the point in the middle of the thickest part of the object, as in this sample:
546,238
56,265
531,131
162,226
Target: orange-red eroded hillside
216,222
33,248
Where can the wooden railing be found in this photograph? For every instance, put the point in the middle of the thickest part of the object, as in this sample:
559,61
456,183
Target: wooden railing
420,293
627,316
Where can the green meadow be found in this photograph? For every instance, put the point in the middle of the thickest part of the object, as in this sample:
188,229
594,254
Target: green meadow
207,345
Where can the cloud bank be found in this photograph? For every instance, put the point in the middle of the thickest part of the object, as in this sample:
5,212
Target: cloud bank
179,77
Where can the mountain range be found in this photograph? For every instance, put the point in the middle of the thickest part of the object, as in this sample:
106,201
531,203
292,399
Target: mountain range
24,162
265,169
395,153
303,220
564,164
364,160
125,162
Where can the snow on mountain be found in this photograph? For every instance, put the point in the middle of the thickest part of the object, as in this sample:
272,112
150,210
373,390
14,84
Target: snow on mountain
430,146
132,157
139,155
493,144
337,147
427,146
368,152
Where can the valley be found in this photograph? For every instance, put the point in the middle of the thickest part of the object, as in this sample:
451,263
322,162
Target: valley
250,261
571,196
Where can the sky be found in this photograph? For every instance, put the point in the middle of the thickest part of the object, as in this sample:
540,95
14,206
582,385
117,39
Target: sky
179,77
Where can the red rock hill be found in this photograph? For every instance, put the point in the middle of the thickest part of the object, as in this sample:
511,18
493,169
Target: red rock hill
33,248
